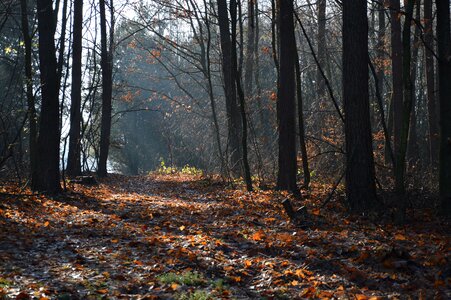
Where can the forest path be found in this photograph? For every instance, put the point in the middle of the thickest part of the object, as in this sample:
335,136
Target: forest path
181,236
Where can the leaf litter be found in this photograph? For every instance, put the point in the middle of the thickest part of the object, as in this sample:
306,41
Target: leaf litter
187,237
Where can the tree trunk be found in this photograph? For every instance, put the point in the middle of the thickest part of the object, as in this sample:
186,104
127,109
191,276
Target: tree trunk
107,86
233,115
444,66
47,175
249,67
236,75
73,159
206,65
321,53
413,147
360,173
397,85
286,107
274,41
29,86
430,85
381,70
301,125
400,157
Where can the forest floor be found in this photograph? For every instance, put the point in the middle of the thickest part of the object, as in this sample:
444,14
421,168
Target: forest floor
187,237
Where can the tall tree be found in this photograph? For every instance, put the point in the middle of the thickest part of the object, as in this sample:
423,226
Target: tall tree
46,178
107,87
397,86
413,147
360,174
29,86
73,159
233,114
249,66
301,125
286,105
444,66
400,157
430,85
321,53
237,78
381,46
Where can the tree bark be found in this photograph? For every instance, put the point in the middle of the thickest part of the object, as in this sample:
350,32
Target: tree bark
430,85
321,53
360,173
301,125
47,175
73,159
233,114
249,66
286,107
400,157
29,86
107,86
444,66
413,146
397,67
236,75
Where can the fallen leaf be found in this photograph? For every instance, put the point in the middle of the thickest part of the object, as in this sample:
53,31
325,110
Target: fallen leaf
400,237
174,286
258,236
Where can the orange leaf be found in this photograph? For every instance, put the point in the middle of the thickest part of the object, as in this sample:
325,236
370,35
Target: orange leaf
236,278
115,241
102,291
325,295
182,227
316,212
228,268
273,96
247,263
400,237
47,223
258,236
174,286
308,292
361,297
439,283
138,262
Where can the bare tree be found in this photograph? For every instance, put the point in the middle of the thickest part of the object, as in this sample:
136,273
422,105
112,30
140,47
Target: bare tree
444,66
286,106
360,174
46,178
73,159
107,87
